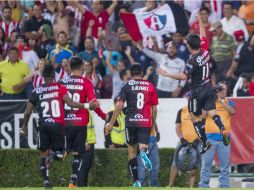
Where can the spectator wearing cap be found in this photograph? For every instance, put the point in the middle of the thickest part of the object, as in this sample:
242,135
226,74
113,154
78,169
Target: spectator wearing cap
7,23
222,50
167,87
45,40
204,13
244,57
12,74
230,22
66,50
32,25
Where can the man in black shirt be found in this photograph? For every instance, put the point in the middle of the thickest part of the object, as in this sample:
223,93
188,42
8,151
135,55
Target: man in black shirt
32,25
203,95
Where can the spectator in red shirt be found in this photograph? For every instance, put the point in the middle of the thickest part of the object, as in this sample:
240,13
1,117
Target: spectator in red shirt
98,14
204,13
7,23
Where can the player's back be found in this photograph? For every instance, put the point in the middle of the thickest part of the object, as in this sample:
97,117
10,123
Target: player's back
78,88
139,95
198,67
48,101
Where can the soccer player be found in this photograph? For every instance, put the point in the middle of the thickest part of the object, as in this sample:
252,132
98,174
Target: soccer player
141,98
203,95
48,100
81,90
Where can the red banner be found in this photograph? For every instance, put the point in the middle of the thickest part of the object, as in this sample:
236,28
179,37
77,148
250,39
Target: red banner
242,132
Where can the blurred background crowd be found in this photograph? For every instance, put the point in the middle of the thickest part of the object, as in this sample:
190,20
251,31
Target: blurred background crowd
34,33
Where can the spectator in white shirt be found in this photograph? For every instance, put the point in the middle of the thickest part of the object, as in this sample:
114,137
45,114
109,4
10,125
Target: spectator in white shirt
230,22
167,87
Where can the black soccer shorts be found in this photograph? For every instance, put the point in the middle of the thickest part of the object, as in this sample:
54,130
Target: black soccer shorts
76,138
51,137
137,135
202,98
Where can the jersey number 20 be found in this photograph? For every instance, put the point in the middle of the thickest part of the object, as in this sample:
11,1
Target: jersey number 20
55,108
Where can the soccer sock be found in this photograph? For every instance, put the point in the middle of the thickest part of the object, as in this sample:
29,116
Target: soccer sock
44,169
133,164
76,165
218,122
200,130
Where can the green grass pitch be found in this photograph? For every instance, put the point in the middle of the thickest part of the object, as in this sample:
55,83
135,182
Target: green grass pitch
112,188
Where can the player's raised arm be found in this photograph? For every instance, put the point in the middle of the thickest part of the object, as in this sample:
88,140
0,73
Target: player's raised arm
201,26
118,108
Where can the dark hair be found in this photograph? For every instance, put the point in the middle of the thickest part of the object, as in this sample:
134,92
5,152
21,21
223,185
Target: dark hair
204,9
122,73
228,3
136,70
61,32
89,38
13,49
76,62
193,40
6,7
48,71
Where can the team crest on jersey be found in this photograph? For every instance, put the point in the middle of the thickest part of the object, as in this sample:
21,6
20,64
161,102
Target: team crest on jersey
138,116
50,120
156,22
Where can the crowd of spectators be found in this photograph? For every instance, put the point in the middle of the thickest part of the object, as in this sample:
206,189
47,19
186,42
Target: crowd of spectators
51,32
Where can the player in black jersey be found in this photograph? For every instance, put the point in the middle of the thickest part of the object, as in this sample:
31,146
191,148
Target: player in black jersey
49,100
203,95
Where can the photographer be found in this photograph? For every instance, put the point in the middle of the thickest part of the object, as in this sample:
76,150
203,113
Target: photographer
187,135
225,109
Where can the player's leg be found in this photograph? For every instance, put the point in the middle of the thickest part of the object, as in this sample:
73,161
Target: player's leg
131,139
58,142
211,108
195,110
43,146
78,148
143,139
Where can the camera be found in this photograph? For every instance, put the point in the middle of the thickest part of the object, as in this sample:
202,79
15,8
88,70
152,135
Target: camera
218,88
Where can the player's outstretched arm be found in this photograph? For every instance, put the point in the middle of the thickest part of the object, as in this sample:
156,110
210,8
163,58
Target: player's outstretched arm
93,104
118,109
201,26
178,76
27,115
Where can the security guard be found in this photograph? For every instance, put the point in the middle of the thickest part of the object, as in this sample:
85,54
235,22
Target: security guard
116,138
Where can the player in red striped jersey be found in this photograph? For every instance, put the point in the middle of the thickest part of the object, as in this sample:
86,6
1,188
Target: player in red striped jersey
81,90
49,100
